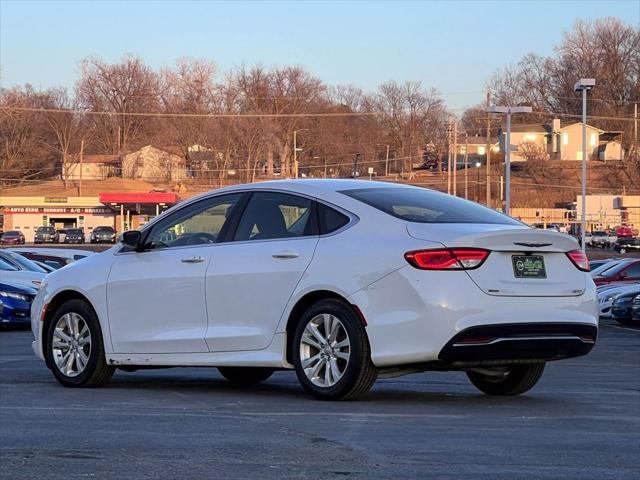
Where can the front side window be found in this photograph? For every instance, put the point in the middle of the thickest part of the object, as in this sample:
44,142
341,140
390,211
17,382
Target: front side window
427,206
196,224
271,215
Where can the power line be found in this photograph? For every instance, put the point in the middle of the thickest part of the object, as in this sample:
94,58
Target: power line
187,115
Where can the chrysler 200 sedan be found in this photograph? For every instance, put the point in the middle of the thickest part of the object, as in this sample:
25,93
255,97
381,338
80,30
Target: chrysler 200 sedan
343,281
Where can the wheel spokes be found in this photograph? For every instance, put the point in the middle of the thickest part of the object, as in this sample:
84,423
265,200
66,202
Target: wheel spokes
324,350
71,344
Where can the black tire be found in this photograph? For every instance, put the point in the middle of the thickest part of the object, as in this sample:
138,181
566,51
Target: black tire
96,372
245,375
622,250
519,379
360,373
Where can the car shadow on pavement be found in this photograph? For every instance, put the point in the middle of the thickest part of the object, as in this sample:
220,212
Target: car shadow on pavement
285,386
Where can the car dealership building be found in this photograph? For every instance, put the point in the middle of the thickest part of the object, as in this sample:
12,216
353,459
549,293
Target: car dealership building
123,205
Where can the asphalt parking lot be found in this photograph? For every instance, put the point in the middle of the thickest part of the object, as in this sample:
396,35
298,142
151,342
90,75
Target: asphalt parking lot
581,421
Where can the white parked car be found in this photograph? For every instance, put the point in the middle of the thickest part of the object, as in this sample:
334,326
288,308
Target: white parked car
342,281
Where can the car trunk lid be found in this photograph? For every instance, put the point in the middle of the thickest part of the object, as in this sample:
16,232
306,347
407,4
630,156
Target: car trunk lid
515,251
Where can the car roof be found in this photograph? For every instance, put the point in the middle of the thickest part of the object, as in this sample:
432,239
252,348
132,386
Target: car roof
305,184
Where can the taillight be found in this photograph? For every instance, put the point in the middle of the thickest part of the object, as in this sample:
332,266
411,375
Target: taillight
579,259
447,258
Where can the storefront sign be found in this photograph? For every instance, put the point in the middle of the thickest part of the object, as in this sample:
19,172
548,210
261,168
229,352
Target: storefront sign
59,210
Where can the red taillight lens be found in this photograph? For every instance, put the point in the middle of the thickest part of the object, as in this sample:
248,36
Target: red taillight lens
447,258
579,259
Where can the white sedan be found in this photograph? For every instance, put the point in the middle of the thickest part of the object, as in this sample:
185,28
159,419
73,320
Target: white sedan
343,281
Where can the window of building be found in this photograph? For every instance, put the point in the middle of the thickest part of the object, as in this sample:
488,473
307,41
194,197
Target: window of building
565,138
481,150
593,140
579,155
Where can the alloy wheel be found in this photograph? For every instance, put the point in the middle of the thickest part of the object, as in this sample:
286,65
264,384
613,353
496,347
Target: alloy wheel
325,350
71,344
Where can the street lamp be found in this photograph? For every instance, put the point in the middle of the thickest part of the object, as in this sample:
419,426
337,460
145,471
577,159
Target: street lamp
507,158
296,150
478,165
584,85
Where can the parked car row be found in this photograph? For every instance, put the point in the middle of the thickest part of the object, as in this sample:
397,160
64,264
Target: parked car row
618,282
22,270
102,234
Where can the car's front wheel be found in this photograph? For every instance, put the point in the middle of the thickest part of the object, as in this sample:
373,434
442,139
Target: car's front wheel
331,352
622,250
245,375
511,380
75,351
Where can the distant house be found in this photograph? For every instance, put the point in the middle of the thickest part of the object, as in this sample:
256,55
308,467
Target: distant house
561,143
155,164
90,167
475,148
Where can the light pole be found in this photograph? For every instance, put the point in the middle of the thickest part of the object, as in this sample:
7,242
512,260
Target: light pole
584,85
296,150
478,165
507,156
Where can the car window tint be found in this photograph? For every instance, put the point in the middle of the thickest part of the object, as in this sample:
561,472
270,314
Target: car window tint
270,215
633,271
427,206
6,266
331,219
196,224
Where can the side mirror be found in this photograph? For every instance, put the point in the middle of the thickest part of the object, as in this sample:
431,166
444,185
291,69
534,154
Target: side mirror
132,238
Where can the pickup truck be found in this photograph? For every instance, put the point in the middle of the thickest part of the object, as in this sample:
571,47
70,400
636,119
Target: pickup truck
602,239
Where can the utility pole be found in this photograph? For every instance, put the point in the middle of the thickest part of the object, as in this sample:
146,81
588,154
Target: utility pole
455,157
635,129
466,165
488,153
507,158
449,158
355,165
386,163
81,166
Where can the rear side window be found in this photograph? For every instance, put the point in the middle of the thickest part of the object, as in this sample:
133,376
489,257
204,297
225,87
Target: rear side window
427,206
330,219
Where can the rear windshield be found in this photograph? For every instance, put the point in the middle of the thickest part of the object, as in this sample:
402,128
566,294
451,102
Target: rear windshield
427,206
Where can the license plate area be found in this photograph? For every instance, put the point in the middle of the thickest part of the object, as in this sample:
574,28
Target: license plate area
528,266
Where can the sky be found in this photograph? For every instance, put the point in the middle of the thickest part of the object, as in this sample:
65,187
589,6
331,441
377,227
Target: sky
453,46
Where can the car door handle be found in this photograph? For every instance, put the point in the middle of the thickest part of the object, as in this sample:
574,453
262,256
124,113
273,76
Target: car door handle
195,259
286,254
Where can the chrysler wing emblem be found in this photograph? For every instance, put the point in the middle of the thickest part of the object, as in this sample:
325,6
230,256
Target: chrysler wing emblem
532,244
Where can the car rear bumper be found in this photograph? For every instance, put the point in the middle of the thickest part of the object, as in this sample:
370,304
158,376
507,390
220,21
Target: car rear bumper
487,344
413,316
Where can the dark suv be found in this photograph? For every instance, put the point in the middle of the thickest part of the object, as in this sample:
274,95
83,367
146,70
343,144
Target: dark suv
45,235
103,235
627,244
74,235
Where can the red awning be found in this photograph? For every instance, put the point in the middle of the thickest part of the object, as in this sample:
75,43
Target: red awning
168,198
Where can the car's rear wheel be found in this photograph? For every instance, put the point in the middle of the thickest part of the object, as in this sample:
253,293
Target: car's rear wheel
245,375
511,380
622,250
75,350
331,352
